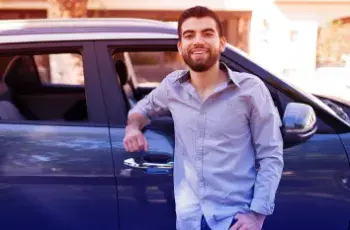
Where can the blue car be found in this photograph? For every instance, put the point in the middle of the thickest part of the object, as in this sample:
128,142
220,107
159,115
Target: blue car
65,89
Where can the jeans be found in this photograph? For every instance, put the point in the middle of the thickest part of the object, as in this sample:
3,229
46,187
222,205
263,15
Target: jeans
205,226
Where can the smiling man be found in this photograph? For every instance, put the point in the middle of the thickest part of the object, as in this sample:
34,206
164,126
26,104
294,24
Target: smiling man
225,122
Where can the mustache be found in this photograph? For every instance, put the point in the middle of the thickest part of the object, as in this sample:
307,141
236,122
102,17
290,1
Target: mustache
191,49
199,46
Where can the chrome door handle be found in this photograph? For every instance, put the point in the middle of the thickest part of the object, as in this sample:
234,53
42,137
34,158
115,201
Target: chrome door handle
148,167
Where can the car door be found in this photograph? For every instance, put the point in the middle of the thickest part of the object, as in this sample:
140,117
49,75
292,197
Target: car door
313,192
57,174
144,179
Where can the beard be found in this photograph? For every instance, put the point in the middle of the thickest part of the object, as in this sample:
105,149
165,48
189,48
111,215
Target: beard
203,64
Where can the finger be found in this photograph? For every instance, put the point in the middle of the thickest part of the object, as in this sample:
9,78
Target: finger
130,146
238,216
140,142
237,226
134,145
146,144
126,145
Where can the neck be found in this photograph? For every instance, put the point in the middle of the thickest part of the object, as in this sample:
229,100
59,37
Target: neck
206,81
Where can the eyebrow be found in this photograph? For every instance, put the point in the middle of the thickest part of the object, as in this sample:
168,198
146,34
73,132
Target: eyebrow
204,30
208,30
187,31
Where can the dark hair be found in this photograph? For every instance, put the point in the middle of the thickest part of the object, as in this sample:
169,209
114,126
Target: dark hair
198,12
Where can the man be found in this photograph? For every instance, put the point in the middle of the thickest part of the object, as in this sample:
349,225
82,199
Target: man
224,122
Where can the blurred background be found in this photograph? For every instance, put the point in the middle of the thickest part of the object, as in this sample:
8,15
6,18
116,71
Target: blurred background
306,42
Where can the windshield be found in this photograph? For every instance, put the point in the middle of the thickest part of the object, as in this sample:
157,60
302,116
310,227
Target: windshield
328,91
307,85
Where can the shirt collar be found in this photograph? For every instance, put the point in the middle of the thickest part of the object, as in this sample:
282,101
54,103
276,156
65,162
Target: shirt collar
233,78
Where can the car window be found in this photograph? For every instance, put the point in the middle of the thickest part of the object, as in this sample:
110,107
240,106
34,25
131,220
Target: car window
63,68
43,87
147,67
342,110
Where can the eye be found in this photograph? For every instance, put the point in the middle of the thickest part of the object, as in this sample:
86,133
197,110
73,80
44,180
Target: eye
208,34
188,36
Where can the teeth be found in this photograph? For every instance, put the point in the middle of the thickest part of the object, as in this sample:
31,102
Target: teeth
198,52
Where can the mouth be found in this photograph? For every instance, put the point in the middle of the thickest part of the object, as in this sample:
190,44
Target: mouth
199,51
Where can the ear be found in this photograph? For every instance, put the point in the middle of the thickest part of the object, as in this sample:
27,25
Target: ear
222,43
179,46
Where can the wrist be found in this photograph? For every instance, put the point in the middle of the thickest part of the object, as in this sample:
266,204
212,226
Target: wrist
132,127
259,217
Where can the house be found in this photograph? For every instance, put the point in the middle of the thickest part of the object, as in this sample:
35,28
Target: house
283,35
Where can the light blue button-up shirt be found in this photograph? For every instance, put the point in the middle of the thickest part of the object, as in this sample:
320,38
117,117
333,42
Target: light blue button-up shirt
217,145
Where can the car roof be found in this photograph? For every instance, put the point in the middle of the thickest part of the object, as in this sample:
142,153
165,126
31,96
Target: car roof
38,30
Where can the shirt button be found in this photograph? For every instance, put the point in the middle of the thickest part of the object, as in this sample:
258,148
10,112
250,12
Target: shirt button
198,158
201,183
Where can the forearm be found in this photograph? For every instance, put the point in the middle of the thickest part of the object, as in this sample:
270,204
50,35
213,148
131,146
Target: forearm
266,185
136,121
268,144
152,105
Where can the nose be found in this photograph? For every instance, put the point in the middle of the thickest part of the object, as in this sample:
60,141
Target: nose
198,39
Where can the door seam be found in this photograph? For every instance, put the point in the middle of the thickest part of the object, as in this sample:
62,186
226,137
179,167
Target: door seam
347,156
109,137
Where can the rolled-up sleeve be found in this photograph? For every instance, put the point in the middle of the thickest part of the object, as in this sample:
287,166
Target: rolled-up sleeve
265,124
155,103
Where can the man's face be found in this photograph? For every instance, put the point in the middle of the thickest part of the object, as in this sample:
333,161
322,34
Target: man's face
200,44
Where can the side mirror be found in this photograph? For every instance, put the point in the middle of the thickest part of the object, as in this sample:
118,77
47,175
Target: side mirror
299,124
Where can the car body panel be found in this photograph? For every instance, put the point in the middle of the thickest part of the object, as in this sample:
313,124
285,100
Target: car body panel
54,174
312,193
345,137
145,199
78,37
56,177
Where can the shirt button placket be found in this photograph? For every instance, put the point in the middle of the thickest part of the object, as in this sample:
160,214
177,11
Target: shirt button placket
199,151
